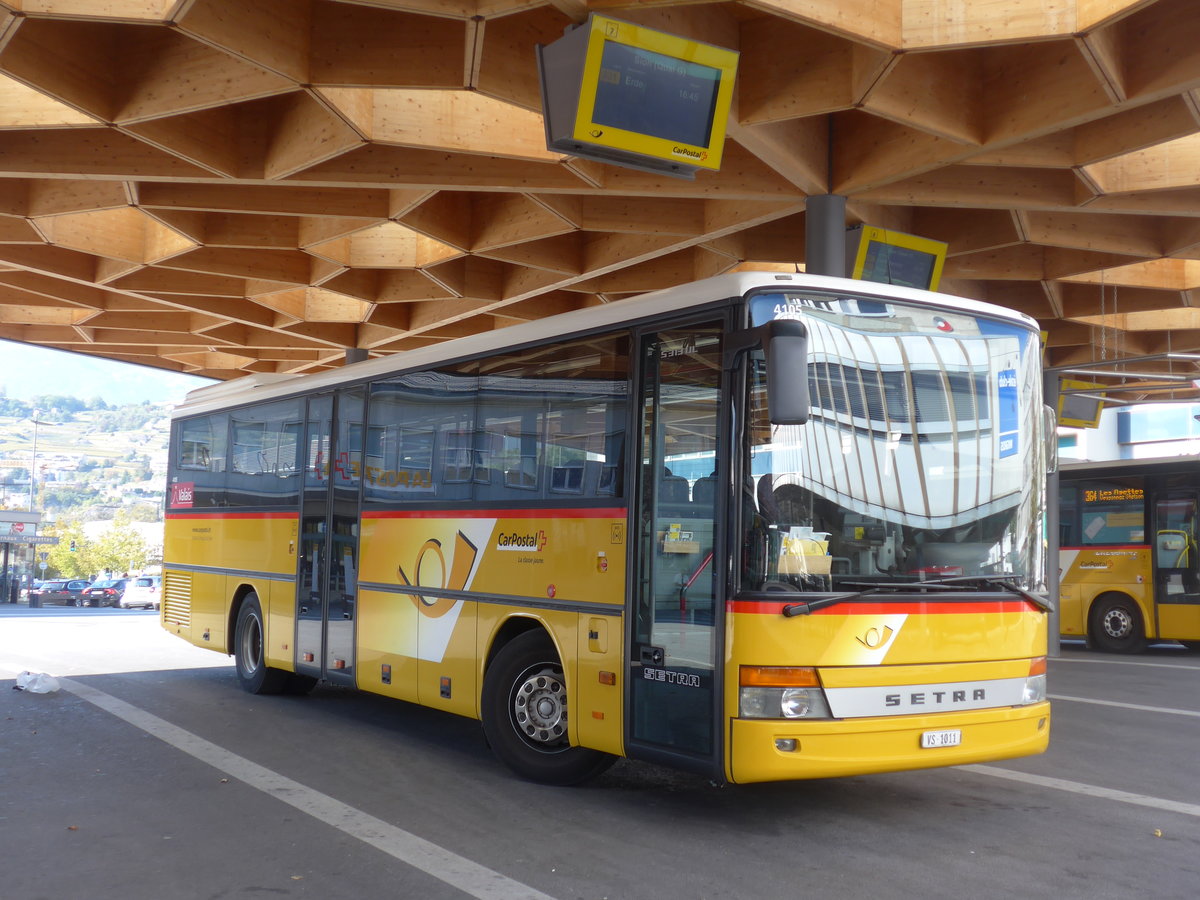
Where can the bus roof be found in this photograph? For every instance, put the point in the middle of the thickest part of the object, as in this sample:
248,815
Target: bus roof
253,388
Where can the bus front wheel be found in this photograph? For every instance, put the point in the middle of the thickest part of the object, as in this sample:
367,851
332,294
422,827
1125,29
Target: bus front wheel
1117,625
249,651
524,712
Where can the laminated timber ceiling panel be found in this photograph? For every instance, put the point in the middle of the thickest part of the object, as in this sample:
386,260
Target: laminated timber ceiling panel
223,187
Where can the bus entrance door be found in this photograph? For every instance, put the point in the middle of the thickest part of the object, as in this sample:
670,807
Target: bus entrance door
675,640
1176,564
327,578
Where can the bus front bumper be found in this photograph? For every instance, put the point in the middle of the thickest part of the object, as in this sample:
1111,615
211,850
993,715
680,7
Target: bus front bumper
786,750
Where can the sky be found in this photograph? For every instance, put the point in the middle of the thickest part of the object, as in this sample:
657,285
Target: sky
31,371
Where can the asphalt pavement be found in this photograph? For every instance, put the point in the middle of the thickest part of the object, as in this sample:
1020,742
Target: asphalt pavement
149,774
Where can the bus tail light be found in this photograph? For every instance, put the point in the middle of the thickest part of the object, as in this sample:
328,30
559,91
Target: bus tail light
1035,682
768,692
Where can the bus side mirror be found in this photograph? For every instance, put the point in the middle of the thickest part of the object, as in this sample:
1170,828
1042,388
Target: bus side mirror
784,343
1050,425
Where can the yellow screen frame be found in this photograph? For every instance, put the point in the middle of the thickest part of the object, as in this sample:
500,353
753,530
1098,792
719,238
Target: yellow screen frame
1068,384
604,29
875,234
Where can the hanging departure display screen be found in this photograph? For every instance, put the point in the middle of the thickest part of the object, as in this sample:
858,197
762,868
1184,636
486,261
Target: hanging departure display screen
888,264
891,257
649,93
620,93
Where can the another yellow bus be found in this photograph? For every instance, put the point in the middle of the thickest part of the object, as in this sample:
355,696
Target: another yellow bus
1128,557
760,527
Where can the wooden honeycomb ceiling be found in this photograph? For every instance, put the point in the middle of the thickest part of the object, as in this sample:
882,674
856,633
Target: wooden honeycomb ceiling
223,187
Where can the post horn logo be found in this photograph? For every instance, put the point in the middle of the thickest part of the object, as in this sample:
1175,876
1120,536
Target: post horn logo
874,638
430,571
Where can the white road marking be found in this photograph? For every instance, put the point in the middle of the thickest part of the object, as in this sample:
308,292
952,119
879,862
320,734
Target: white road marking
459,872
1126,662
1088,790
1156,709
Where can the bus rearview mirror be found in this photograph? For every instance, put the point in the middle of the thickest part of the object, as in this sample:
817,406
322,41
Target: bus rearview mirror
784,343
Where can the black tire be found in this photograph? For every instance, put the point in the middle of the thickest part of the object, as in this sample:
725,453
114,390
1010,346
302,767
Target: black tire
1194,646
1116,625
249,649
524,711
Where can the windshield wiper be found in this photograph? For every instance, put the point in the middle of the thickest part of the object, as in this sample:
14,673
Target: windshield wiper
1001,580
869,589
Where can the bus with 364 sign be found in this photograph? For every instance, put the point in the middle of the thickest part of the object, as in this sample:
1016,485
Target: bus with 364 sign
1130,570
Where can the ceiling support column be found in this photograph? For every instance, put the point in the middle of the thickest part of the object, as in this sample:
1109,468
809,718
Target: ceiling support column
825,235
355,354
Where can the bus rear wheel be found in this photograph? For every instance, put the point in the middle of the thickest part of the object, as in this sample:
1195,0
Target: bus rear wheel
249,651
1117,625
524,712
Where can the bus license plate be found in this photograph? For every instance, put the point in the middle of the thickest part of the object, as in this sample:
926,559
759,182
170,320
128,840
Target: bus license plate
950,738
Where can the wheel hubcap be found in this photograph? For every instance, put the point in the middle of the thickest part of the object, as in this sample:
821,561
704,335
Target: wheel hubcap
1117,623
540,706
251,644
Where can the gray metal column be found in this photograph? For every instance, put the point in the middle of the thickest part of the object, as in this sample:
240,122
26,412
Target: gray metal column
355,354
825,235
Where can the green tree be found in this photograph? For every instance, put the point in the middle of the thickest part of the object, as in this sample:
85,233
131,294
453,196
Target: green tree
121,548
62,559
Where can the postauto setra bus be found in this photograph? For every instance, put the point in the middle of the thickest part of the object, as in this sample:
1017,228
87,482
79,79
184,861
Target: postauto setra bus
760,527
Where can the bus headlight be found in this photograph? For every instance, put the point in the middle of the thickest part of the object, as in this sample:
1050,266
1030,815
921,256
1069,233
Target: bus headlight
781,693
1035,690
1035,683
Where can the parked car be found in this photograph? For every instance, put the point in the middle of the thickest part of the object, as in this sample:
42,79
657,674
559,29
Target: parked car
108,592
60,590
144,592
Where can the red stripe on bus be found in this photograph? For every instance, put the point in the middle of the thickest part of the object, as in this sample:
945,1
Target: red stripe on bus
225,514
586,513
907,607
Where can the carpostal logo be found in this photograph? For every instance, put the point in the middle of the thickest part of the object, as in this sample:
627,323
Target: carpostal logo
689,153
514,540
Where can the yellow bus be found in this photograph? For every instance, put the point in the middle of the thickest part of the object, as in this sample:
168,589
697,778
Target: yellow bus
1127,556
760,527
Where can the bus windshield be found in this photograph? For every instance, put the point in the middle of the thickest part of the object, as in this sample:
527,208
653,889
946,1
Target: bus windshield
921,459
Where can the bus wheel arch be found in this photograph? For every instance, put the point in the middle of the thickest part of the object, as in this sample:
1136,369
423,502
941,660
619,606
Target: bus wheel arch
250,648
525,711
1116,624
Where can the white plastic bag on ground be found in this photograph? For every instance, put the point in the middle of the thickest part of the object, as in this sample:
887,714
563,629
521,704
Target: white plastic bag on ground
37,683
